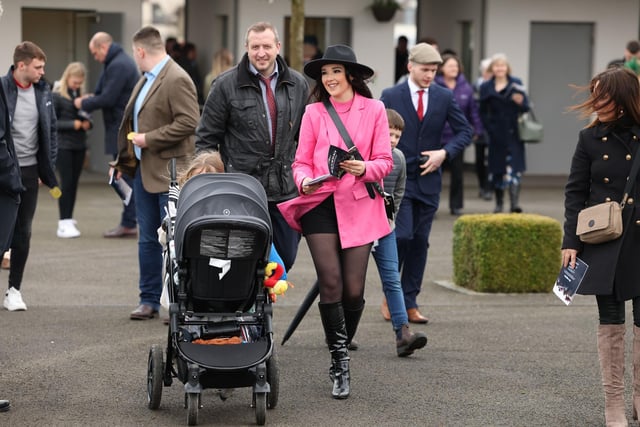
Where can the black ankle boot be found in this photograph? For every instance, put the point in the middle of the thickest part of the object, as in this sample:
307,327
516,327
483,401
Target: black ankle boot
351,320
499,200
332,316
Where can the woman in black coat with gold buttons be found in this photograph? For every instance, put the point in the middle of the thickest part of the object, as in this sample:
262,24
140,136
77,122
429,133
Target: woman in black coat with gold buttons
599,171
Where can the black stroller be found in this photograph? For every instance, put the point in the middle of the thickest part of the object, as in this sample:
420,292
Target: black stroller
218,242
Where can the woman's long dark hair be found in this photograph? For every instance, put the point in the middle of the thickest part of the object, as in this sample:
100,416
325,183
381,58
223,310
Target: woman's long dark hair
615,86
358,83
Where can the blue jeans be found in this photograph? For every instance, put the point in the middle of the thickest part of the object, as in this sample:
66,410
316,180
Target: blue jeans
150,209
386,256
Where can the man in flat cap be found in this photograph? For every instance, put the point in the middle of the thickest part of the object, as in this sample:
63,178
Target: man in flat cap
425,108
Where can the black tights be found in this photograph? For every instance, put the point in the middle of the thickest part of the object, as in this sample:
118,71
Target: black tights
341,272
611,311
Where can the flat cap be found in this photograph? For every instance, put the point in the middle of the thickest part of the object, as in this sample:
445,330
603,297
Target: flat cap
424,53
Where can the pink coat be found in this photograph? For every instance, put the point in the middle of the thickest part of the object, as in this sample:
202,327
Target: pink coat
361,219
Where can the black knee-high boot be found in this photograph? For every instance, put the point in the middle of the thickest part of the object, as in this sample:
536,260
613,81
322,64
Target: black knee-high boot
351,320
514,195
499,200
335,330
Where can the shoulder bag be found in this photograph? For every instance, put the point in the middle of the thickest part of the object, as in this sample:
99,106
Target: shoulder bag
372,187
530,129
603,222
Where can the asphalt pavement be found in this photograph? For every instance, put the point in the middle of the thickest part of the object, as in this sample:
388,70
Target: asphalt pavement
75,359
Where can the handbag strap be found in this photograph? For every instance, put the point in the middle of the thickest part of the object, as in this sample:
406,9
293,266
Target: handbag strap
632,175
349,143
531,113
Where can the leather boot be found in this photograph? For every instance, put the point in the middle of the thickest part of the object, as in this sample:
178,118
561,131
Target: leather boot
499,200
514,196
636,371
407,342
351,320
332,315
611,355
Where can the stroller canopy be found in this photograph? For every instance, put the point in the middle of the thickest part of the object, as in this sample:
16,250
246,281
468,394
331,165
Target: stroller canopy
231,212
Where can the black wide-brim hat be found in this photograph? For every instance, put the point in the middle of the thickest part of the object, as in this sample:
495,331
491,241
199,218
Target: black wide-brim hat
337,54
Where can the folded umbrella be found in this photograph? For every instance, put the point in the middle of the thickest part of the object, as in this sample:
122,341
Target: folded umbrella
302,311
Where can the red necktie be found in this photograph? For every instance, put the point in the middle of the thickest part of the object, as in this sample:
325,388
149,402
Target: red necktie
271,103
420,105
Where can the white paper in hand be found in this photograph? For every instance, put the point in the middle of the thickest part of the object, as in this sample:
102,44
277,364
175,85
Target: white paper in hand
569,280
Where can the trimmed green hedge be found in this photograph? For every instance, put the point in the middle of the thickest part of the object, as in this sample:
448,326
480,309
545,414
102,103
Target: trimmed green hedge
506,252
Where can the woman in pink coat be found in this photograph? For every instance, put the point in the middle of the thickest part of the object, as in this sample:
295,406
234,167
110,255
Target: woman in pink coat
340,218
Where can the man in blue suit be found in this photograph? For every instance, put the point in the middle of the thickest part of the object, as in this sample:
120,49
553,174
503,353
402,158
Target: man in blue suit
425,109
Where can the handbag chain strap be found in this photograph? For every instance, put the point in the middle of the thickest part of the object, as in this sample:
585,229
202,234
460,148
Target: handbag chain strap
632,175
349,143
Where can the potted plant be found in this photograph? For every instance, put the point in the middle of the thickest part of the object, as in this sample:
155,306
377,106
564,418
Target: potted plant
384,10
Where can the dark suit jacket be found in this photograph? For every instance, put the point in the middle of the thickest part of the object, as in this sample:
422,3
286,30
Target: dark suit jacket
426,135
168,116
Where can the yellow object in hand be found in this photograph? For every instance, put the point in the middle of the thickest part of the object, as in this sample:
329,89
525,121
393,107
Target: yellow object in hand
55,192
130,135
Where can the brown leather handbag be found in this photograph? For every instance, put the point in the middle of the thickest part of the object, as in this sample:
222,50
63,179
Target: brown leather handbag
600,223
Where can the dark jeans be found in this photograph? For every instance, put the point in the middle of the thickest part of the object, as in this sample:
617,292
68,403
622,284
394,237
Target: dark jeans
285,238
150,213
21,241
69,165
611,311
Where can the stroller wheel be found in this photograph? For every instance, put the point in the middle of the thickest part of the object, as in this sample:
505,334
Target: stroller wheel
261,408
193,405
273,377
155,371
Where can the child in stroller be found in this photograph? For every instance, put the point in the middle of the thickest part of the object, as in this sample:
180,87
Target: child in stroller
218,241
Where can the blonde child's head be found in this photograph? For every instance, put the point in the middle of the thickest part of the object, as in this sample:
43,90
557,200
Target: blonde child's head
396,126
205,162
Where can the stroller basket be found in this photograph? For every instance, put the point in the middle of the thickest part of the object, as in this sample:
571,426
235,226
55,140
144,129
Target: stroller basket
227,357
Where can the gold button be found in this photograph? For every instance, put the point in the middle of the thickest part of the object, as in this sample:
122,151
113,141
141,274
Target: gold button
605,157
637,221
608,199
635,137
628,157
606,180
604,139
630,200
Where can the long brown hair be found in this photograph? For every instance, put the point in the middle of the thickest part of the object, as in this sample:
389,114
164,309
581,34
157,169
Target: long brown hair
614,86
355,79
